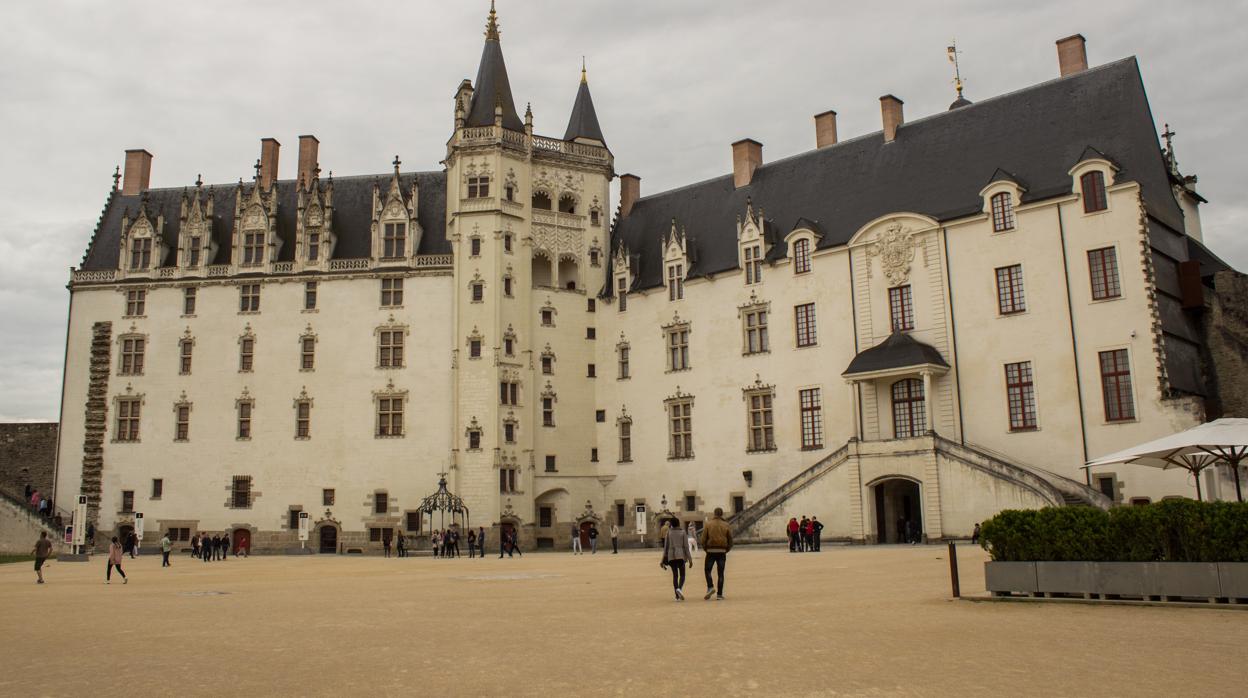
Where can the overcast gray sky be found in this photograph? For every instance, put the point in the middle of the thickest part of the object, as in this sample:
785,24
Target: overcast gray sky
199,84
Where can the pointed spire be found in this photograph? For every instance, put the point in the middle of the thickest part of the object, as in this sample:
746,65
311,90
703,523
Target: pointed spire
491,24
584,120
492,88
584,77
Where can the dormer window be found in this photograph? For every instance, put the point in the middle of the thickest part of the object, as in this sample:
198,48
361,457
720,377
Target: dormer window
621,291
253,248
478,187
140,253
1092,185
394,240
753,264
801,256
1002,212
194,250
675,282
314,245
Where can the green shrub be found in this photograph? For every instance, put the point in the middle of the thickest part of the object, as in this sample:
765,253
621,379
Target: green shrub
1179,530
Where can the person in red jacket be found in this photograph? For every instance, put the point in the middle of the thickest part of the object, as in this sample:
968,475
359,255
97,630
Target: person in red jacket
793,530
808,535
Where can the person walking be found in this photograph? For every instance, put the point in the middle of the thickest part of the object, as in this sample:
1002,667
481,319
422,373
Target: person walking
692,533
455,541
481,542
615,539
504,543
132,544
593,539
716,541
205,548
472,544
975,535
166,546
43,549
401,545
195,545
386,538
576,541
114,560
515,542
818,528
676,554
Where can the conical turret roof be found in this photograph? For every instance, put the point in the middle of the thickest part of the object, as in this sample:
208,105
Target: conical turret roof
584,121
492,86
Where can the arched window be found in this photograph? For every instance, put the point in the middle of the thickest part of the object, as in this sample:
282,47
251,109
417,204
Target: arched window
909,413
541,270
1002,212
541,201
1093,186
801,256
567,204
568,272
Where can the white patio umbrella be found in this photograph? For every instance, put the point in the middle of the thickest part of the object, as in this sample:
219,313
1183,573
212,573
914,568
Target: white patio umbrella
1222,441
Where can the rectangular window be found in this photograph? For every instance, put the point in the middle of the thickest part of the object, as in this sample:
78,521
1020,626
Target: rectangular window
509,346
600,416
591,305
678,348
1106,485
478,292
507,286
593,455
381,503
309,295
507,242
591,333
1116,386
245,408
623,363
128,419
507,480
680,429
241,492
158,488
246,354
390,416
182,423
140,253
801,256
901,308
196,245
127,501
626,441
474,348
253,249
619,514
804,322
811,403
738,504
327,497
675,282
391,293
1021,395
314,245
307,353
1010,298
249,298
303,419
136,301
753,264
475,247
474,440
188,301
1103,268
621,291
1002,212
548,412
756,339
691,502
132,349
1093,186
545,517
591,371
394,240
478,187
509,393
390,348
509,432
186,349
412,522
759,416
374,534
548,365
292,519
550,464
548,318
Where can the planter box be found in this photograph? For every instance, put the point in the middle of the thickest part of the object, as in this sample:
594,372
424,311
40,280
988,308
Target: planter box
1193,579
1066,577
1128,579
1010,577
1233,578
1142,580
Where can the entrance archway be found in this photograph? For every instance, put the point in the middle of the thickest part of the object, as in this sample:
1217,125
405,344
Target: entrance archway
242,541
898,511
584,529
328,538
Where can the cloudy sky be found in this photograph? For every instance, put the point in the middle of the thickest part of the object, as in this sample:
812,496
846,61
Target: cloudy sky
199,84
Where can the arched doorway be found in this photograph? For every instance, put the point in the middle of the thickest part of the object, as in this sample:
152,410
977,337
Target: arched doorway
898,511
328,539
242,541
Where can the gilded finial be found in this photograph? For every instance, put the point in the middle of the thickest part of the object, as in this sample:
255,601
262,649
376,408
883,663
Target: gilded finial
583,77
491,25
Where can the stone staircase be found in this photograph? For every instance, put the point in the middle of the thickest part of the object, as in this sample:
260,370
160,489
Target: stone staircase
20,527
756,511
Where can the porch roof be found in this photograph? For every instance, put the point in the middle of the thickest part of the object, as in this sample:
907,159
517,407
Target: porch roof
899,351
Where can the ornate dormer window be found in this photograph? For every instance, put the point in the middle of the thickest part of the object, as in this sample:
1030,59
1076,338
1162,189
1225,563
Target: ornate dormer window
510,426
196,247
675,262
473,432
595,254
1091,176
509,342
751,244
1000,197
548,361
314,235
143,247
477,181
474,344
255,225
621,273
396,231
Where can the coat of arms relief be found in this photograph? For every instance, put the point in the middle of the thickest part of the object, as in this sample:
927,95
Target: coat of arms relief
895,248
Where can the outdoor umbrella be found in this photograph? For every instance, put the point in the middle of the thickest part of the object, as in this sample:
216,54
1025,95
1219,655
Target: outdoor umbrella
1222,441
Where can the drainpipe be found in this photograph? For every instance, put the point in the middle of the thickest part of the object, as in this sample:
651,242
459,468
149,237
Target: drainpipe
953,330
1074,346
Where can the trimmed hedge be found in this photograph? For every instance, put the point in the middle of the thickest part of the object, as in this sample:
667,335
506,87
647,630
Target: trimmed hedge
1174,530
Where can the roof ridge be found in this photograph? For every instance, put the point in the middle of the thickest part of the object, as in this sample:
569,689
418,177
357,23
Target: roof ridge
386,175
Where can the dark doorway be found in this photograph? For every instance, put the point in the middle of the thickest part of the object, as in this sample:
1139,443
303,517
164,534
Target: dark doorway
585,526
242,541
898,511
123,536
329,540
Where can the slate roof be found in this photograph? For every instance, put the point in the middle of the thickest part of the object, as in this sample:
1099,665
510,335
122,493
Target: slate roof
491,87
584,120
936,166
352,221
900,350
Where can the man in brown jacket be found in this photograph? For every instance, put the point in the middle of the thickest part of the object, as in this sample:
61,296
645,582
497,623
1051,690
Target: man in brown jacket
716,540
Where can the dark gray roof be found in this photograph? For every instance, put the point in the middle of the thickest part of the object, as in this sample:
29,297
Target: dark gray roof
900,350
353,217
584,120
492,87
936,166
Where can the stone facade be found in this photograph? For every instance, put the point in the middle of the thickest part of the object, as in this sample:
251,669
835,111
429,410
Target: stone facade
1226,333
27,457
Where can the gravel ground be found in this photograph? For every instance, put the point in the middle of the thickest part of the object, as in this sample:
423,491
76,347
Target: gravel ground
860,621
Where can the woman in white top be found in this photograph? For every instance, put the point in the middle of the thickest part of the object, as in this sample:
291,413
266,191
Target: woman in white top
693,541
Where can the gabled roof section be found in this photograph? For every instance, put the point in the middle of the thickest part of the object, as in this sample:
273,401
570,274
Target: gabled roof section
492,86
900,350
584,120
1001,175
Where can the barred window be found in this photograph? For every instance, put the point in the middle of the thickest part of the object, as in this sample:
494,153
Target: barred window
240,492
1116,386
474,348
390,416
761,427
811,403
801,256
249,298
1002,212
680,429
1010,290
132,349
128,419
381,503
909,413
136,301
1103,269
547,317
675,282
140,253
390,349
391,293
678,348
188,301
1093,186
901,308
550,464
253,249
309,295
246,354
756,339
478,291
186,349
182,423
1021,395
303,419
753,264
805,324
245,408
626,440
307,353
394,240
548,364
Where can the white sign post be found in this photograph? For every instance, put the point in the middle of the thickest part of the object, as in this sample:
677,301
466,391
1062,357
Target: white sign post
303,529
641,523
138,531
80,524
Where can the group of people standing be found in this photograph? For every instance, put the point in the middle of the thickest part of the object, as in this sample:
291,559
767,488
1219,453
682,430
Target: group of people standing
446,543
804,535
208,549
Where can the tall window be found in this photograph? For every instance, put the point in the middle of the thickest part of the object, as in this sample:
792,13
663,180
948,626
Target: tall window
509,432
245,409
240,492
136,300
246,354
188,301
804,322
509,346
127,501
253,249
303,419
249,298
1021,394
389,416
1093,186
507,286
132,356
474,348
801,256
901,308
186,349
478,291
182,423
391,293
1002,212
507,480
509,392
756,340
622,364
140,253
548,412
474,247
680,428
1116,386
309,295
753,264
158,488
621,291
678,348
327,497
909,414
195,246
762,430
1103,268
550,464
626,440
548,364
675,282
390,349
381,503
128,418
811,403
478,187
393,240
1010,290
314,245
307,353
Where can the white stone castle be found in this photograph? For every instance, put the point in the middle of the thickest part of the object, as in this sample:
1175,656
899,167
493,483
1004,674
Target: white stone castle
916,327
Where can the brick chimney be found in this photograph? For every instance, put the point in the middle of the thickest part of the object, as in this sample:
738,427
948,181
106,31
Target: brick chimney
747,156
890,112
825,129
308,147
138,172
1072,55
269,148
630,191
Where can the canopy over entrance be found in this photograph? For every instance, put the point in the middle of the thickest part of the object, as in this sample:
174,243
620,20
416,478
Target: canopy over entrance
899,353
1220,442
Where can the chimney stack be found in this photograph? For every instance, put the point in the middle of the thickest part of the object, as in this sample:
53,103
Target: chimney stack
269,148
747,156
308,147
1072,55
138,172
890,111
825,129
630,191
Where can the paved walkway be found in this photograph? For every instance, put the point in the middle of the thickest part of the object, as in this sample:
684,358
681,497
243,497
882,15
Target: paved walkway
863,621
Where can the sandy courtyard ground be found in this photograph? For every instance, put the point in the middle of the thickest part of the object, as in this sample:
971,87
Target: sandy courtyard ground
861,621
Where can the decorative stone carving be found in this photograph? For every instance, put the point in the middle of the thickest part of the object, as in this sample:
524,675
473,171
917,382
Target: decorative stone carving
895,248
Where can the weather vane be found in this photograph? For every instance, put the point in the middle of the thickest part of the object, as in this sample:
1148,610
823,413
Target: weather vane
953,52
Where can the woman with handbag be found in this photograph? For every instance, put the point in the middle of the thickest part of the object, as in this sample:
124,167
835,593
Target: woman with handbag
676,553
